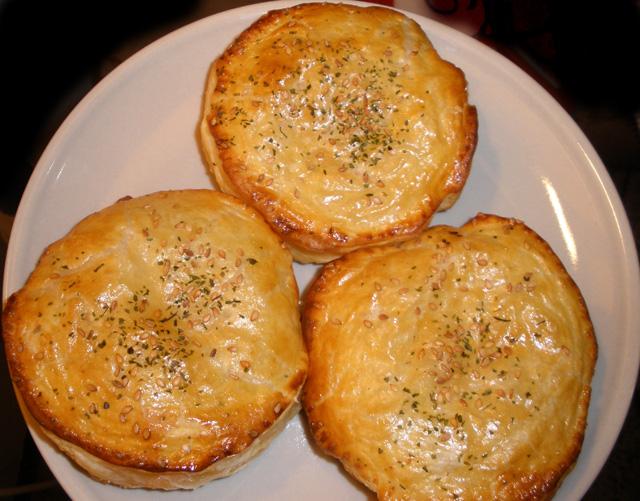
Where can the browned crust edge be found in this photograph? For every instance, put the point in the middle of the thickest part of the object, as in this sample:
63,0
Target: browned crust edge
534,486
50,422
458,178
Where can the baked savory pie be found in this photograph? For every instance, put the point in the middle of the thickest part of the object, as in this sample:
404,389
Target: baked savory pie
340,124
158,344
453,366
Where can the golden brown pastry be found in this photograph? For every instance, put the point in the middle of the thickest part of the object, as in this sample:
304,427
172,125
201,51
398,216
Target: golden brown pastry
453,366
158,343
340,124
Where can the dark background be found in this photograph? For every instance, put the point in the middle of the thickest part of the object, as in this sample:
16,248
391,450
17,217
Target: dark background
52,53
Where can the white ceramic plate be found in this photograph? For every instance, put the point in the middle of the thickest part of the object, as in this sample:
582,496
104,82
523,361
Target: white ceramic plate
136,133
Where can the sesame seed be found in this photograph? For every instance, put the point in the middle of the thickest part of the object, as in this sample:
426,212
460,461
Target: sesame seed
146,434
255,314
136,428
383,316
368,324
277,408
119,384
482,261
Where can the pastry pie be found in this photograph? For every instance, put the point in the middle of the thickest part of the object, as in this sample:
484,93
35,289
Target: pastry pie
158,343
340,124
456,365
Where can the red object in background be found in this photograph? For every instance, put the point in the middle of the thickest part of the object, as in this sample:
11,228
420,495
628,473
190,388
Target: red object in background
383,2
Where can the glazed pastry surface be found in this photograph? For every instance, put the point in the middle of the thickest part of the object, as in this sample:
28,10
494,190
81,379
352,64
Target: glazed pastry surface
159,341
455,365
340,124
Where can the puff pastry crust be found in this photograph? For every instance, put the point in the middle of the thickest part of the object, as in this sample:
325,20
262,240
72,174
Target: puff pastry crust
158,343
455,365
340,124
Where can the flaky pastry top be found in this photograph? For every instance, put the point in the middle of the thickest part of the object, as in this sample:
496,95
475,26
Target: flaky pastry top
455,365
162,333
340,124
